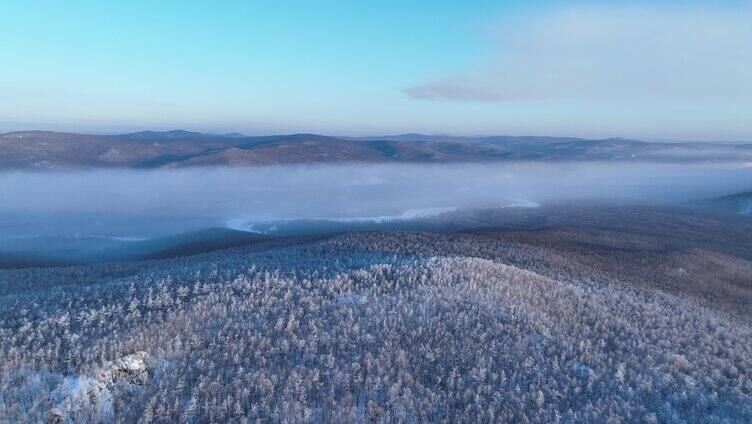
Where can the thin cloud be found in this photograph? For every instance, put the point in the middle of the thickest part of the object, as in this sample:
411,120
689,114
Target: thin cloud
611,54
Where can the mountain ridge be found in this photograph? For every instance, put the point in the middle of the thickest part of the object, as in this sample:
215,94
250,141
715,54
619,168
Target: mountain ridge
38,149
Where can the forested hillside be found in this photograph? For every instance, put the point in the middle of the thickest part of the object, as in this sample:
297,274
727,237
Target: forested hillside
179,149
385,327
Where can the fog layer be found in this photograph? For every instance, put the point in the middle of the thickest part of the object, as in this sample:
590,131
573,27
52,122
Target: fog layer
327,191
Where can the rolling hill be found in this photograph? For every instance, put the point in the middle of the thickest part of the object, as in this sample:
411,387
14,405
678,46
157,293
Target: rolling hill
186,244
175,149
738,203
536,326
49,251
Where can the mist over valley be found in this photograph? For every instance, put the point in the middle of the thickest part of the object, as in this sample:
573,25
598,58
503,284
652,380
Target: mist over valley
96,215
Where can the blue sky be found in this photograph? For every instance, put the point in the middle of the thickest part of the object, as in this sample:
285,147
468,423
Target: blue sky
555,68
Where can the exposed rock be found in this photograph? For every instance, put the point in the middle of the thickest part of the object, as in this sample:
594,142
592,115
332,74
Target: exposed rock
94,393
133,368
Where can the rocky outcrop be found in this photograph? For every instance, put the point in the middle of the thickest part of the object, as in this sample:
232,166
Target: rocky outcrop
93,394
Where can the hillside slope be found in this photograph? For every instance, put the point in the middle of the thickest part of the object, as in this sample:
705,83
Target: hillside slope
148,149
737,203
575,326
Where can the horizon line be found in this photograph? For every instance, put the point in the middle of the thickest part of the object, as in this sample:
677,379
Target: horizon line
233,133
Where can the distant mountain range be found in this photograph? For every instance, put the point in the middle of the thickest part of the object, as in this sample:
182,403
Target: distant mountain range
175,149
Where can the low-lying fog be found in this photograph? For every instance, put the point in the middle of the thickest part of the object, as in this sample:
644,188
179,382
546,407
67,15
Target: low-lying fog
136,204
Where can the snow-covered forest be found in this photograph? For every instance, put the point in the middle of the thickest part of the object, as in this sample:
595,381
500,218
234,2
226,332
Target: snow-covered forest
382,327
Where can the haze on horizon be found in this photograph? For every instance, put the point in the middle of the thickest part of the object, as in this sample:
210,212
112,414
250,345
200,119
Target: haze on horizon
663,71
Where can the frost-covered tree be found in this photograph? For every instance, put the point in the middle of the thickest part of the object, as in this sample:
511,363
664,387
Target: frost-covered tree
376,327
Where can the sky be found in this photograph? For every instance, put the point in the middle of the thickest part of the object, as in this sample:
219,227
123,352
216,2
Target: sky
661,70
